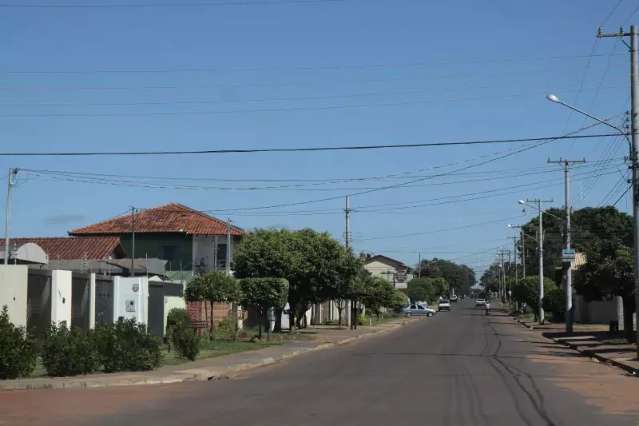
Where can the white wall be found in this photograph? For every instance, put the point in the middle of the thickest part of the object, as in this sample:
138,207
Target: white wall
61,297
131,298
13,293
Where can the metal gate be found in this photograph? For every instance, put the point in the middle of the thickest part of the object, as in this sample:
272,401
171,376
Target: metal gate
38,302
156,309
103,301
80,308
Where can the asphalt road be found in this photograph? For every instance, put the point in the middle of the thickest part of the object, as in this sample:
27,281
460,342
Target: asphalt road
457,368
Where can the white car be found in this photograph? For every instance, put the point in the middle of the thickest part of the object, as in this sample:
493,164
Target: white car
444,305
417,309
480,302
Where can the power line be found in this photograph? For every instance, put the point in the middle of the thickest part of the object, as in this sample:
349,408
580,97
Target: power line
301,149
156,182
622,195
179,69
161,4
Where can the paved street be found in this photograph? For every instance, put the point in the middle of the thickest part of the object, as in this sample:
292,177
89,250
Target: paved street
457,368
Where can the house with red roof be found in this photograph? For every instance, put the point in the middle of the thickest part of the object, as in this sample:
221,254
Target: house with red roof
189,240
88,254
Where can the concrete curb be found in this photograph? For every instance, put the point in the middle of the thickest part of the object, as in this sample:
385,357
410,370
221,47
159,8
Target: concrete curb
589,353
593,354
179,376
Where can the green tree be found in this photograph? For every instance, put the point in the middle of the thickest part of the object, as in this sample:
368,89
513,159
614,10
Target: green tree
262,294
214,287
312,263
609,274
527,291
378,294
420,289
459,277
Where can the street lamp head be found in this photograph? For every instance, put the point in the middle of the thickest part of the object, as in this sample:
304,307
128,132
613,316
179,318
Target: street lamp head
522,202
553,98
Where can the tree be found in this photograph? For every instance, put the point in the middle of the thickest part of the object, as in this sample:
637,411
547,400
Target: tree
459,277
262,294
527,291
340,290
420,290
426,289
214,287
312,263
378,294
606,239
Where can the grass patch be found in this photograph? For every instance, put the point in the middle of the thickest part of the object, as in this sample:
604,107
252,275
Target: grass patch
212,349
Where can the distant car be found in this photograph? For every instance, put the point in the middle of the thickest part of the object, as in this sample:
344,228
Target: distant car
444,305
480,302
454,299
418,310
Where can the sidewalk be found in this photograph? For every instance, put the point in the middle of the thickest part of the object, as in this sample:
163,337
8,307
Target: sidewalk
217,368
592,340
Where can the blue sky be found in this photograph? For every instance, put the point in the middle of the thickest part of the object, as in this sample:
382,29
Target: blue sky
243,74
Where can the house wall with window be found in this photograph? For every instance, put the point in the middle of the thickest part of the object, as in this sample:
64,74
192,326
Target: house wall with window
176,249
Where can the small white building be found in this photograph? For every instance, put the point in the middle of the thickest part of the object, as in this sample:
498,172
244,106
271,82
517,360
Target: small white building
392,270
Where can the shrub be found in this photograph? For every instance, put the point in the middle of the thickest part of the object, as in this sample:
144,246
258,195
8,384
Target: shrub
181,334
127,346
176,318
68,352
17,353
555,302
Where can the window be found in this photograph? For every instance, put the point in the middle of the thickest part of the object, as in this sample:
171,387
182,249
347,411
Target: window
221,256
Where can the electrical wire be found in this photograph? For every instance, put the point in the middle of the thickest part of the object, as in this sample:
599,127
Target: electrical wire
301,149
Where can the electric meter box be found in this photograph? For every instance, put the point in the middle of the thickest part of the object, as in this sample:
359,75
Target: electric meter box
131,298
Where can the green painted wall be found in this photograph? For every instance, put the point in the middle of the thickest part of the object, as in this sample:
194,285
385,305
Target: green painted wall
153,245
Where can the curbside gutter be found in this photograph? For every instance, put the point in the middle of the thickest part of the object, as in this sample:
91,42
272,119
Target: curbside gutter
633,371
593,354
156,377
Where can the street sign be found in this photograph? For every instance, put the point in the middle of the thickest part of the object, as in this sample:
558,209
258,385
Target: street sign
568,255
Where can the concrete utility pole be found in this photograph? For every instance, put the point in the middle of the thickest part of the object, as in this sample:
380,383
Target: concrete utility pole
347,214
634,151
132,271
11,181
568,265
419,264
515,257
228,247
540,240
502,278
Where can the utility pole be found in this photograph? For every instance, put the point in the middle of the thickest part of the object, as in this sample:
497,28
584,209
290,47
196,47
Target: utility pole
11,181
541,254
567,238
515,257
523,253
132,271
634,152
347,214
502,278
228,247
419,264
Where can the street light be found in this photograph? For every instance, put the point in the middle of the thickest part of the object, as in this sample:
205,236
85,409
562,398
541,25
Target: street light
635,208
555,99
537,205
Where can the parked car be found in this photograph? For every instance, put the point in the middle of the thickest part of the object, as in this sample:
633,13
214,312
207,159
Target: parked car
418,309
454,299
480,302
444,305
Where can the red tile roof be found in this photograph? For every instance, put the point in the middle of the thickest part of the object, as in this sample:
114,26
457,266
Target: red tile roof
168,218
70,248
